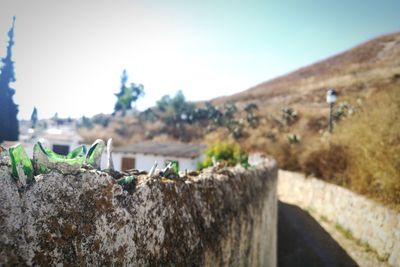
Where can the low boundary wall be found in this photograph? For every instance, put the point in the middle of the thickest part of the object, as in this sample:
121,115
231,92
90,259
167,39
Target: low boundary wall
369,222
224,217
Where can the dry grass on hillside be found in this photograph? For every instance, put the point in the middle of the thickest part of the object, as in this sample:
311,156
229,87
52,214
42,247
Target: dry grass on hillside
372,142
363,153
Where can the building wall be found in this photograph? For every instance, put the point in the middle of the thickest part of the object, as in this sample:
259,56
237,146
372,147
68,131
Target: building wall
71,144
146,161
368,221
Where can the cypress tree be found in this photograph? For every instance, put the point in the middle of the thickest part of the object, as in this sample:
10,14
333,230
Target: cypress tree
118,106
34,117
9,129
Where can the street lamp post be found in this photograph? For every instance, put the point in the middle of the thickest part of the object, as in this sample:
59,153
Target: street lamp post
331,97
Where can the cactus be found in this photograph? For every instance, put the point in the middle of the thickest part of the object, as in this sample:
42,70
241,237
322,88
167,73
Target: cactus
344,109
270,135
289,115
235,127
293,138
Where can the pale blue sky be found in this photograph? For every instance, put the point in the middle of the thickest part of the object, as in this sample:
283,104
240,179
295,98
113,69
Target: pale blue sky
69,55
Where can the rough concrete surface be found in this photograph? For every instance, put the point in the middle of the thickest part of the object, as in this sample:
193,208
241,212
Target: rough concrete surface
223,217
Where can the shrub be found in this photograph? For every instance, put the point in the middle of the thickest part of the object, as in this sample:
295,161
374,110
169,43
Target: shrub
328,163
317,123
225,153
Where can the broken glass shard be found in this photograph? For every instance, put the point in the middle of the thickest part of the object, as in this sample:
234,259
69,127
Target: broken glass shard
45,160
93,157
80,151
153,170
22,168
110,163
128,183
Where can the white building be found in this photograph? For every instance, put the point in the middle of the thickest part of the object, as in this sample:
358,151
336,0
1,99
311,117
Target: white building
142,155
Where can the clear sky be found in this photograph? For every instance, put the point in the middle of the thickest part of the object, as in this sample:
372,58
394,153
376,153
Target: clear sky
69,54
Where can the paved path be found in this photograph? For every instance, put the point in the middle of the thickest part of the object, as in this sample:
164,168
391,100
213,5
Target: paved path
302,241
361,255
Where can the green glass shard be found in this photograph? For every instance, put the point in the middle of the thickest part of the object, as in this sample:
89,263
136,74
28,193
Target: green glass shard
128,183
45,160
171,170
175,166
93,157
126,180
53,154
80,151
22,168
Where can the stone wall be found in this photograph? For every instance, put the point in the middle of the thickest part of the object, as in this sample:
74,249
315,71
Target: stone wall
224,217
369,222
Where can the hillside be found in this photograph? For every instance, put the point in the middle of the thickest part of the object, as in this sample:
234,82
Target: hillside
287,118
357,70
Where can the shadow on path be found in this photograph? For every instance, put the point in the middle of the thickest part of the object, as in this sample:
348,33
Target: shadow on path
303,242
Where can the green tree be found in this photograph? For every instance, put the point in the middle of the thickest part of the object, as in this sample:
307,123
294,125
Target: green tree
85,122
163,103
34,117
177,107
9,128
176,112
127,95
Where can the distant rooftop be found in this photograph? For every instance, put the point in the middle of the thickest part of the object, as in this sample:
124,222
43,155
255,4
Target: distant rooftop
61,134
8,144
179,150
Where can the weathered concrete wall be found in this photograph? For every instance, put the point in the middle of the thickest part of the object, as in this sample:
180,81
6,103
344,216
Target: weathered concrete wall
225,218
371,223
